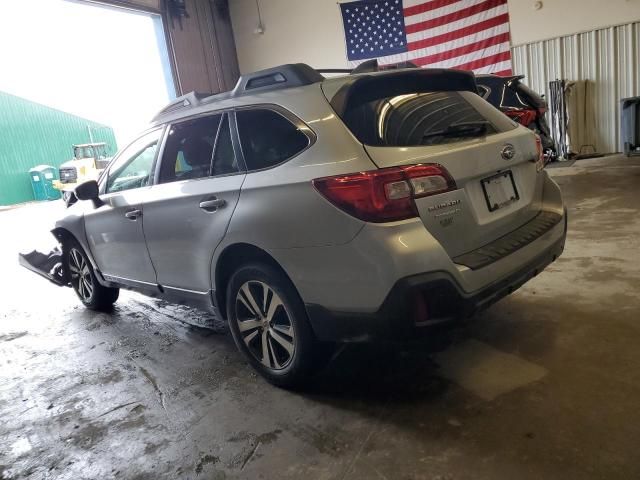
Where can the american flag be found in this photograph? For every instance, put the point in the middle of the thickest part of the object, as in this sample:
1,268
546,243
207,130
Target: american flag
463,34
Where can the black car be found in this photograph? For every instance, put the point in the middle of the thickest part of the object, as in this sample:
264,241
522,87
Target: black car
520,103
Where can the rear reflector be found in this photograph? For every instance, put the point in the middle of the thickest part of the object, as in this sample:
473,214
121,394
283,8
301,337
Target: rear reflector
386,194
540,154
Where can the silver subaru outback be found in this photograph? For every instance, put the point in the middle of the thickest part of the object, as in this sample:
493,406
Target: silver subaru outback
309,210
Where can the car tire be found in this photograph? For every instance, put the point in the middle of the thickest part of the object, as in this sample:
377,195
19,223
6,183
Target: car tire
277,340
83,279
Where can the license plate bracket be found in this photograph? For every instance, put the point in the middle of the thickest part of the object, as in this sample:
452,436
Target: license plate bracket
500,190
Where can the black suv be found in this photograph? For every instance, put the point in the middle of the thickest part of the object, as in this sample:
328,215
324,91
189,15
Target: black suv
520,103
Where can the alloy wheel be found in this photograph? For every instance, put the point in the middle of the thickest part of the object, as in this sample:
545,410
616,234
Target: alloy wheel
265,325
81,278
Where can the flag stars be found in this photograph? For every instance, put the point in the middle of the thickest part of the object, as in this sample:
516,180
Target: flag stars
374,28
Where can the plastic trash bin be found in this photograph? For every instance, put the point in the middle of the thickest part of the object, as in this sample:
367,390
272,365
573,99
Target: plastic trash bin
630,122
42,178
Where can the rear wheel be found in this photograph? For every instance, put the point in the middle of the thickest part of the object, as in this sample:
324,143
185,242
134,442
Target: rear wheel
84,281
269,325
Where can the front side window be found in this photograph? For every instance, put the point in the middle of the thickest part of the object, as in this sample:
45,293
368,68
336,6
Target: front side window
267,138
198,148
224,158
133,167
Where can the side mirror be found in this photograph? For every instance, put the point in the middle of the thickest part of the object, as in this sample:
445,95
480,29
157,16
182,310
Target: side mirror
89,191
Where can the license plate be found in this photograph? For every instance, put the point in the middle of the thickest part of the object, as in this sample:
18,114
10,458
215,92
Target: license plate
500,190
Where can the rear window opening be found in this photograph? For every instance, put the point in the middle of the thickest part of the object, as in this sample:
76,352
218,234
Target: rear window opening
416,119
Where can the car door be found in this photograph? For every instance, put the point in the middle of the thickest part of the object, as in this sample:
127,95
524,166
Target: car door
114,230
187,212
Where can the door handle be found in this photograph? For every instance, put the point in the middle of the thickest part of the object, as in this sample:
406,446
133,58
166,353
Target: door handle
133,214
213,204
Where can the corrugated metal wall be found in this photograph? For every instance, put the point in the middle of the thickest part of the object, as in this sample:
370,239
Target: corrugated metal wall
608,59
32,134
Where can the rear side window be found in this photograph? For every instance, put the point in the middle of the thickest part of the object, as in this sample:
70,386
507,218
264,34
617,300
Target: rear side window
534,98
491,89
267,138
511,98
416,119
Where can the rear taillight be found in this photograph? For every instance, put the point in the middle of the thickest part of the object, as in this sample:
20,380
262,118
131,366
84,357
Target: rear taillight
387,194
522,116
540,154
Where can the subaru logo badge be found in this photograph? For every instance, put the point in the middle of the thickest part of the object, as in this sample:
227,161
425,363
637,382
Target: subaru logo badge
508,152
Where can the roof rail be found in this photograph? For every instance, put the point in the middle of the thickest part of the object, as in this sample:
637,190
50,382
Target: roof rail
334,70
368,67
284,76
374,66
188,100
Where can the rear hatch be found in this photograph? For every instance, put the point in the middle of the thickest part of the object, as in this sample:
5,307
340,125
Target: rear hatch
427,116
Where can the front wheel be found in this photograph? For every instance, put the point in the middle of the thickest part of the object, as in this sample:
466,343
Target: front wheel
84,281
269,325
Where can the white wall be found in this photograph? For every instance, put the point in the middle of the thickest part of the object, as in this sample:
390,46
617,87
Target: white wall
557,18
310,31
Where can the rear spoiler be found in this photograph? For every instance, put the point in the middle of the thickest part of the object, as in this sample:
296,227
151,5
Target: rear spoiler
365,88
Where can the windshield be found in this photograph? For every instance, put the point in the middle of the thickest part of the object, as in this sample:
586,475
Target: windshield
90,151
415,119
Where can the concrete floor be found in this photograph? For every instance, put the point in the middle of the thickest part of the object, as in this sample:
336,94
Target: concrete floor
544,385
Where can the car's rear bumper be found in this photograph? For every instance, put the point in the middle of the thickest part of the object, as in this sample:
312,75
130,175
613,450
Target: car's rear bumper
425,300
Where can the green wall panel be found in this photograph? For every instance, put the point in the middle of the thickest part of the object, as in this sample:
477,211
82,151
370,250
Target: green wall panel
33,134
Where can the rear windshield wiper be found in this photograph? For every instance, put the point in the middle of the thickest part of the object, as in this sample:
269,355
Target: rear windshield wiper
460,128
